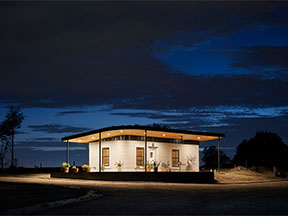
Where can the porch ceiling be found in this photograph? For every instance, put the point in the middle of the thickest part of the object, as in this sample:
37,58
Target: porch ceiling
120,131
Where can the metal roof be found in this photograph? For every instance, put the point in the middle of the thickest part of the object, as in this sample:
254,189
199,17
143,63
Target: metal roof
137,130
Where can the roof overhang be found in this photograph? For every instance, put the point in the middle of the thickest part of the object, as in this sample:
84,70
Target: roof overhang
93,136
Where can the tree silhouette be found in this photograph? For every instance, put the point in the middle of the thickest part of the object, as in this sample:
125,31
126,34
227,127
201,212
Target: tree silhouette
210,157
265,149
4,146
13,120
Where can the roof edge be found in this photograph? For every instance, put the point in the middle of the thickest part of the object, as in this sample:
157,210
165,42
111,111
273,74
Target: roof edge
141,127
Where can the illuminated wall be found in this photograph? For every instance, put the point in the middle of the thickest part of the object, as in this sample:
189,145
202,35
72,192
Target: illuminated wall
125,151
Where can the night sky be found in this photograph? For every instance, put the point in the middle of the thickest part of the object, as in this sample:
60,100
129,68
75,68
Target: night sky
204,66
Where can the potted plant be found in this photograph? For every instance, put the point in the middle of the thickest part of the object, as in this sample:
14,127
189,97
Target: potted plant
85,168
188,167
190,163
149,166
156,165
74,169
180,165
119,165
165,166
65,167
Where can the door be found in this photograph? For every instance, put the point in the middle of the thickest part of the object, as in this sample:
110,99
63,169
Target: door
151,155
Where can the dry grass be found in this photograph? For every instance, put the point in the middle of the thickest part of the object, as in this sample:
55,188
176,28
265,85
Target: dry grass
242,174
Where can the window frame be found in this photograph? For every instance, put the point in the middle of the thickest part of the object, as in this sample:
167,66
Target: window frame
142,157
109,157
174,163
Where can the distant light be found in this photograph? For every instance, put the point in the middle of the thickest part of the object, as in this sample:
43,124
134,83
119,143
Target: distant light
164,134
198,137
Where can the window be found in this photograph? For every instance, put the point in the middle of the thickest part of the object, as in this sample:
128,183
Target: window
175,157
139,156
105,157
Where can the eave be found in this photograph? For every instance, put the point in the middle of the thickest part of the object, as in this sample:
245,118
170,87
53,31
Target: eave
93,136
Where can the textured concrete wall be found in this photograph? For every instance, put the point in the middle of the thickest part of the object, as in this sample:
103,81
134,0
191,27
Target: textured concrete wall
125,151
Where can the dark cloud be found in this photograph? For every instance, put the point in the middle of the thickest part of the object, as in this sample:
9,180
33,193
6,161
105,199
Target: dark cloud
57,128
21,132
266,61
70,112
47,139
102,53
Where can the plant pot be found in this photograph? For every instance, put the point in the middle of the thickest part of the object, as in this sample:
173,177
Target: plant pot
65,170
148,170
165,170
119,169
75,170
86,169
155,169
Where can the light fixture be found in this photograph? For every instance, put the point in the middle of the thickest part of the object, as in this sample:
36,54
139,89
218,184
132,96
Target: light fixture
79,140
121,131
92,137
163,134
198,137
108,134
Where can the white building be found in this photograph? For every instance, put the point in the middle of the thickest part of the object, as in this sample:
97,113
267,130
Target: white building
137,147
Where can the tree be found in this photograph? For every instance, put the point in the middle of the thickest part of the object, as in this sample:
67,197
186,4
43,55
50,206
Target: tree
4,146
13,120
159,126
210,157
265,149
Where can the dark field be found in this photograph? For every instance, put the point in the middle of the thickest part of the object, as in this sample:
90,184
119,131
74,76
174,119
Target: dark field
118,198
16,195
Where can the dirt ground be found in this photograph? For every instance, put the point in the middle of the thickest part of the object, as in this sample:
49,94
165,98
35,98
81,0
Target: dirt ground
242,175
17,195
241,193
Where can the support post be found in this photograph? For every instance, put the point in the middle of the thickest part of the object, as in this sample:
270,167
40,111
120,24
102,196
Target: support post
67,152
100,153
145,150
218,154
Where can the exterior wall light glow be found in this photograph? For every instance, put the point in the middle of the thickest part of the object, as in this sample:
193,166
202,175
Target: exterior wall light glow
108,134
121,131
163,134
198,137
92,137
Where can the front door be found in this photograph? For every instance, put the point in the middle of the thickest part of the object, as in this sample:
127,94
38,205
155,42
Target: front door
151,155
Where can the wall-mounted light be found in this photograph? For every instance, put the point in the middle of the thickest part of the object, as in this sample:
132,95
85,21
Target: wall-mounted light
164,134
108,134
198,137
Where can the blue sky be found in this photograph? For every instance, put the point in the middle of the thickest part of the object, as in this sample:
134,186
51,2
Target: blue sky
203,66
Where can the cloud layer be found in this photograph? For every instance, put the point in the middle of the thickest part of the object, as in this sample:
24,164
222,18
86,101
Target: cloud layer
103,53
57,128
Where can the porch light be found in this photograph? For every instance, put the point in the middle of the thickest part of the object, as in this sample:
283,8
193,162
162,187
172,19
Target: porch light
163,134
79,140
198,137
108,134
92,137
121,131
